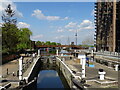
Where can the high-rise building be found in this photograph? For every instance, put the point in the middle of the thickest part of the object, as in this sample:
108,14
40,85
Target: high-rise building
107,22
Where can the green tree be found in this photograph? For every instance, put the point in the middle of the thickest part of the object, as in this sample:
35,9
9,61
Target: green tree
13,39
53,43
9,30
47,43
9,37
43,43
38,43
24,39
58,43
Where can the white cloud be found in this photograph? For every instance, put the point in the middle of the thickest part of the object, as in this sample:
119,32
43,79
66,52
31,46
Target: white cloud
86,24
23,25
59,37
37,36
38,14
71,30
71,25
66,18
5,3
60,30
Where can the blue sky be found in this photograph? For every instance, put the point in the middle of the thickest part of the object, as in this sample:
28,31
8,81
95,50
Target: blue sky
56,21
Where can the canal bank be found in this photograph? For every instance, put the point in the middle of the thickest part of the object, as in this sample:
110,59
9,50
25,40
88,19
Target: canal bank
30,76
31,72
10,76
92,77
73,79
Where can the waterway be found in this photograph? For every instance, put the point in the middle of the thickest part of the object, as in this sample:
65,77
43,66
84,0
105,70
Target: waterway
50,76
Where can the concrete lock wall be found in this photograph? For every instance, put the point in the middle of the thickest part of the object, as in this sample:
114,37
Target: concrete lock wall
65,70
32,76
34,71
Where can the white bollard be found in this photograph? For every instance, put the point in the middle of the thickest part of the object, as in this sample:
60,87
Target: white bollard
62,54
83,67
57,52
92,53
81,61
63,59
38,52
102,75
20,68
81,57
0,76
116,67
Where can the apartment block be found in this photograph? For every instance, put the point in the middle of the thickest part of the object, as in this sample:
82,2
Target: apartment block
107,22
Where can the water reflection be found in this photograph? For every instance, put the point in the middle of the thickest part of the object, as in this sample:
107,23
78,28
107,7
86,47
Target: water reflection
49,79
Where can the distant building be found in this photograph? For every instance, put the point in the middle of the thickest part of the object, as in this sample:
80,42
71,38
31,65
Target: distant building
72,43
107,24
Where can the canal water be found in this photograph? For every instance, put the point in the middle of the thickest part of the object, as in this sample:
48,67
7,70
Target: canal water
49,79
50,76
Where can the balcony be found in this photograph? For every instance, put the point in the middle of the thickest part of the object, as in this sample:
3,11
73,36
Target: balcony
96,3
95,28
96,6
96,12
95,21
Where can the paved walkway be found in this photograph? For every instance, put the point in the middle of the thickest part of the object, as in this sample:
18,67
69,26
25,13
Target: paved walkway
92,72
12,66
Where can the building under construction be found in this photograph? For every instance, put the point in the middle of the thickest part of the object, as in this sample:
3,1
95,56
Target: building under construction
107,22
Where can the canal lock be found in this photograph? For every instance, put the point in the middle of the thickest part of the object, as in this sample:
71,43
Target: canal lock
49,65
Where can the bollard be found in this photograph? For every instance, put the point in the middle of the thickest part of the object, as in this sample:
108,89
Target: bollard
13,73
92,53
57,52
7,71
38,52
101,74
62,54
20,68
83,67
17,73
63,59
116,67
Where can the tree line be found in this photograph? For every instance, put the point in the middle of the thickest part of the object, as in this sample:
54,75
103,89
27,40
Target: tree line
46,43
